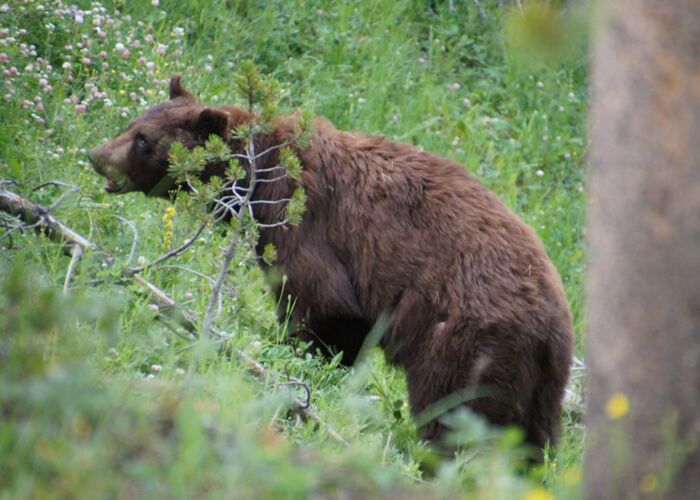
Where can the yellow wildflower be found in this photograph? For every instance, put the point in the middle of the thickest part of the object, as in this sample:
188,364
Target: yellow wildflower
169,224
649,483
538,493
617,406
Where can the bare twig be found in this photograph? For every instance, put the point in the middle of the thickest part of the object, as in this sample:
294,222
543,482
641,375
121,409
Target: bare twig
268,181
56,183
306,410
274,224
70,189
216,290
134,242
18,227
172,253
270,169
76,253
262,153
167,305
185,268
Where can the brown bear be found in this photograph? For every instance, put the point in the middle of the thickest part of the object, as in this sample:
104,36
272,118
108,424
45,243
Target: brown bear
473,300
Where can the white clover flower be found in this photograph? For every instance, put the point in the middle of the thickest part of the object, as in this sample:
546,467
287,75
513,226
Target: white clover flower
540,85
539,173
119,47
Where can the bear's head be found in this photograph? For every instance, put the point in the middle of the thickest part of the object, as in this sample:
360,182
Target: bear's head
137,160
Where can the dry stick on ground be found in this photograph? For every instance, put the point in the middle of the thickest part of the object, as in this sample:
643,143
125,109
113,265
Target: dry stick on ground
38,217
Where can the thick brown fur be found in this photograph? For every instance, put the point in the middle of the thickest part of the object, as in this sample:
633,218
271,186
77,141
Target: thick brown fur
388,228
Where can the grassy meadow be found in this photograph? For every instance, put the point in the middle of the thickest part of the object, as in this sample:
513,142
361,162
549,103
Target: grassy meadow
99,400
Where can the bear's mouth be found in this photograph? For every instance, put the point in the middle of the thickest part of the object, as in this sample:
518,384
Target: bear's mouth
112,187
115,187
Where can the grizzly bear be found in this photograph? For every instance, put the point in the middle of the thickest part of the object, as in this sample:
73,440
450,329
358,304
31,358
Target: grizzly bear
476,307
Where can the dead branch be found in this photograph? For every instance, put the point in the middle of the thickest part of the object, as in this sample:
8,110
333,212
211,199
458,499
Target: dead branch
70,189
76,253
134,242
172,253
40,218
216,289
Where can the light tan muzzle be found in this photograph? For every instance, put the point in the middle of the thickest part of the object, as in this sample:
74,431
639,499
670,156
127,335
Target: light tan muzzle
110,161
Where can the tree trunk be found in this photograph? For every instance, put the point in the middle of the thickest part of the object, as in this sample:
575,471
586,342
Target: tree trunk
644,276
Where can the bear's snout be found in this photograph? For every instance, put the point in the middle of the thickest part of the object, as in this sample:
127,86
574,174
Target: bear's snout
116,181
96,159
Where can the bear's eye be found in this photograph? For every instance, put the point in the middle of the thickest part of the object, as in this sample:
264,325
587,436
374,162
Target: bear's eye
141,142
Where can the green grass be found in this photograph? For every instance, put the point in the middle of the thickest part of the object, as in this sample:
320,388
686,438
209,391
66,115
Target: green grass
97,399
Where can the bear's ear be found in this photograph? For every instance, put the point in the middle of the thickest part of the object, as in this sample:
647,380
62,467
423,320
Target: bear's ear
238,116
177,90
212,121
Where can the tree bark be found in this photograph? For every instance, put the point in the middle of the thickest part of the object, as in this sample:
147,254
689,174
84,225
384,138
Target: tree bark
643,411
